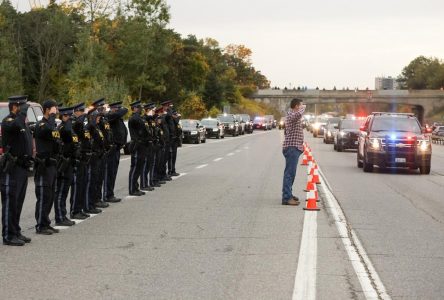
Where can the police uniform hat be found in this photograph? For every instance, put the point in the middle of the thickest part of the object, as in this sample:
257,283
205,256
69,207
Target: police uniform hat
66,110
78,107
99,102
18,99
137,103
48,104
149,106
166,103
116,104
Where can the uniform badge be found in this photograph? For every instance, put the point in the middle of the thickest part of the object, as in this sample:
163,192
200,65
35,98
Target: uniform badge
107,126
56,134
87,135
75,139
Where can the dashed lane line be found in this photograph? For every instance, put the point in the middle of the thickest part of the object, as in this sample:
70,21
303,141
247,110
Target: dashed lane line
202,166
230,154
181,175
218,159
371,283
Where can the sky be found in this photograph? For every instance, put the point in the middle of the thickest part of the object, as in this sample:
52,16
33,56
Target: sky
316,43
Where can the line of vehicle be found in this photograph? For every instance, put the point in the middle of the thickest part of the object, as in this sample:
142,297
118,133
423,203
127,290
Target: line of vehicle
305,279
371,284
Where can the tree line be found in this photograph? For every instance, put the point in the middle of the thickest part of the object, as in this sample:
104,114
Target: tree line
121,50
423,73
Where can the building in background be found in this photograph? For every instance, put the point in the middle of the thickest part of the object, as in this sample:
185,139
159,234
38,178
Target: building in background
385,83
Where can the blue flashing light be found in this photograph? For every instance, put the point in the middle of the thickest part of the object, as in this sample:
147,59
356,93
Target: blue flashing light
393,136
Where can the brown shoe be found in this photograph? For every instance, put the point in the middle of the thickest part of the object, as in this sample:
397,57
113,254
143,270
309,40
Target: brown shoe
293,202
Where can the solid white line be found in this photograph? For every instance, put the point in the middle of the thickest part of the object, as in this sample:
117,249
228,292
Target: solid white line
305,279
129,197
202,166
371,284
230,154
218,159
126,158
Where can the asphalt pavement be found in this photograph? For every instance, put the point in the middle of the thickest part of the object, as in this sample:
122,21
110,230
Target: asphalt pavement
219,231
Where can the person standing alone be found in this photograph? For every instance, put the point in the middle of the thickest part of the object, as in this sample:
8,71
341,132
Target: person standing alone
292,148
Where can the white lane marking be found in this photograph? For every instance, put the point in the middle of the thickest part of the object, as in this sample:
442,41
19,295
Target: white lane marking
126,158
230,154
129,197
237,151
218,159
181,175
246,147
371,283
305,279
202,166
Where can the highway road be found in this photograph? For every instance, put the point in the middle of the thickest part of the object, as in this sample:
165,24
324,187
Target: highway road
219,231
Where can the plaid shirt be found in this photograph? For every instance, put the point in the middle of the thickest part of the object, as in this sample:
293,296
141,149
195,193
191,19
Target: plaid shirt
294,133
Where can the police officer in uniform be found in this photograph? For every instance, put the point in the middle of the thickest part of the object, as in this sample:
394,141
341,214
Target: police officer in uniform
137,131
168,141
68,155
159,168
119,135
105,130
78,190
147,171
17,144
93,168
47,142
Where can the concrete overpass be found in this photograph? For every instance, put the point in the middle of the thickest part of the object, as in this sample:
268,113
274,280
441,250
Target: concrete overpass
423,102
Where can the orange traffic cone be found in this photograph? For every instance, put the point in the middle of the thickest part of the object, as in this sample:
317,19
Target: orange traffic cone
304,160
315,173
311,202
310,185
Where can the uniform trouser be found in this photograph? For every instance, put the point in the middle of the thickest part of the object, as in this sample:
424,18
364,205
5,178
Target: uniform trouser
160,165
137,160
13,191
172,158
79,181
146,178
167,157
64,182
111,167
45,182
92,180
101,168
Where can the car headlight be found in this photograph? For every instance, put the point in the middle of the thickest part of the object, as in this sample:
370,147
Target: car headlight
316,126
215,129
375,144
231,126
328,133
282,123
342,133
424,145
193,132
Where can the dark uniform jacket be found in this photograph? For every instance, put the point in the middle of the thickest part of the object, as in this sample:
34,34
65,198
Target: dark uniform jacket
165,129
171,125
105,129
97,140
82,132
47,139
118,128
138,129
70,140
16,136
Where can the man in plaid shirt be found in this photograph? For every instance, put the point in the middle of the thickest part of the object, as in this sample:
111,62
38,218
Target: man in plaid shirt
292,149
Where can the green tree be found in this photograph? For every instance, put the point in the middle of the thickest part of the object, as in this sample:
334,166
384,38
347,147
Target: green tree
423,73
10,53
193,107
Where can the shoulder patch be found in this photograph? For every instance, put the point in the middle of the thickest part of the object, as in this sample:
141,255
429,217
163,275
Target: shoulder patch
9,119
42,124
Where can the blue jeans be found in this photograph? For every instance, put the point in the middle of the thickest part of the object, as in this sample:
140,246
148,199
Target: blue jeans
291,155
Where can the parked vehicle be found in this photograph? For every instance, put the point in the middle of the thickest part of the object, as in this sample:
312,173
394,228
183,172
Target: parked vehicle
346,136
231,126
270,119
330,130
34,114
238,119
261,123
319,126
193,131
214,128
248,123
393,140
282,123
